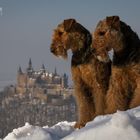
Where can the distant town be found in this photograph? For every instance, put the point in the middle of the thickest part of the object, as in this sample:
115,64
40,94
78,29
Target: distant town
38,97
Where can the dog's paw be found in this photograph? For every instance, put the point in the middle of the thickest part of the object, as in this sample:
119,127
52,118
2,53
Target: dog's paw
79,125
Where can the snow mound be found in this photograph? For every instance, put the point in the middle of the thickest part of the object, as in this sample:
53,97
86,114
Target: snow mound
122,125
29,132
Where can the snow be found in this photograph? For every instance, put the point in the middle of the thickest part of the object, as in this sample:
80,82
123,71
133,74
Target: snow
122,125
119,126
29,132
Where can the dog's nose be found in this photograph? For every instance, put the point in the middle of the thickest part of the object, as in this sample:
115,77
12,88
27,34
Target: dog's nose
52,50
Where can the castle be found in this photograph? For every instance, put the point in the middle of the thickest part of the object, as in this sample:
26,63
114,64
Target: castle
40,81
39,96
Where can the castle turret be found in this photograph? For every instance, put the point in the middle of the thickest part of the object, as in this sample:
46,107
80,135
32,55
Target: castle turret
21,79
20,70
55,72
30,68
30,63
64,81
43,70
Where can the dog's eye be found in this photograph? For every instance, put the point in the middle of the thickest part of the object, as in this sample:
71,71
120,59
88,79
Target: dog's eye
101,33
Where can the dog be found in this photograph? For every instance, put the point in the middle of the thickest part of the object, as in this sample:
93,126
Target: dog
115,36
89,75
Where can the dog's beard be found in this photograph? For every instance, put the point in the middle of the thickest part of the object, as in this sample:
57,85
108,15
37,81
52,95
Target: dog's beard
63,55
100,58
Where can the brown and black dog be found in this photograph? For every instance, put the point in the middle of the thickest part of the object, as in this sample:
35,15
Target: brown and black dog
90,76
124,87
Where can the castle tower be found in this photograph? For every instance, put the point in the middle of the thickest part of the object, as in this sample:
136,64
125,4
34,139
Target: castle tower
43,70
19,75
55,72
30,69
21,78
20,70
64,81
30,63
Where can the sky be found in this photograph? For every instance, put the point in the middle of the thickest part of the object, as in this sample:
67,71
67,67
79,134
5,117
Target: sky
26,28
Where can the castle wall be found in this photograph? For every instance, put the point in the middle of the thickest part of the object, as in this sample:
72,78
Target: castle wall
20,89
31,82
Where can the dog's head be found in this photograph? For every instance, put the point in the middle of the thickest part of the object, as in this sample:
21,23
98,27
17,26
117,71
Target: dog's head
107,38
69,35
61,39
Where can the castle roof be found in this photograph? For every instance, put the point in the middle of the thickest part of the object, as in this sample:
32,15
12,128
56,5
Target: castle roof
20,70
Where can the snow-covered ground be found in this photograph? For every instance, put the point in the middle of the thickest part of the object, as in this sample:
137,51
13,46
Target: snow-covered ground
122,125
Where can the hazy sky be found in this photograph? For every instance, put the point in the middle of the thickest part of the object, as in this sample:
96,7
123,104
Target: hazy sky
26,28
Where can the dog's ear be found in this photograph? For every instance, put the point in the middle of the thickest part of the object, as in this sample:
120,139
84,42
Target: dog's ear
68,24
113,21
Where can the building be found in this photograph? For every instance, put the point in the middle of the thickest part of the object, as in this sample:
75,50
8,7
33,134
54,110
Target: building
40,81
